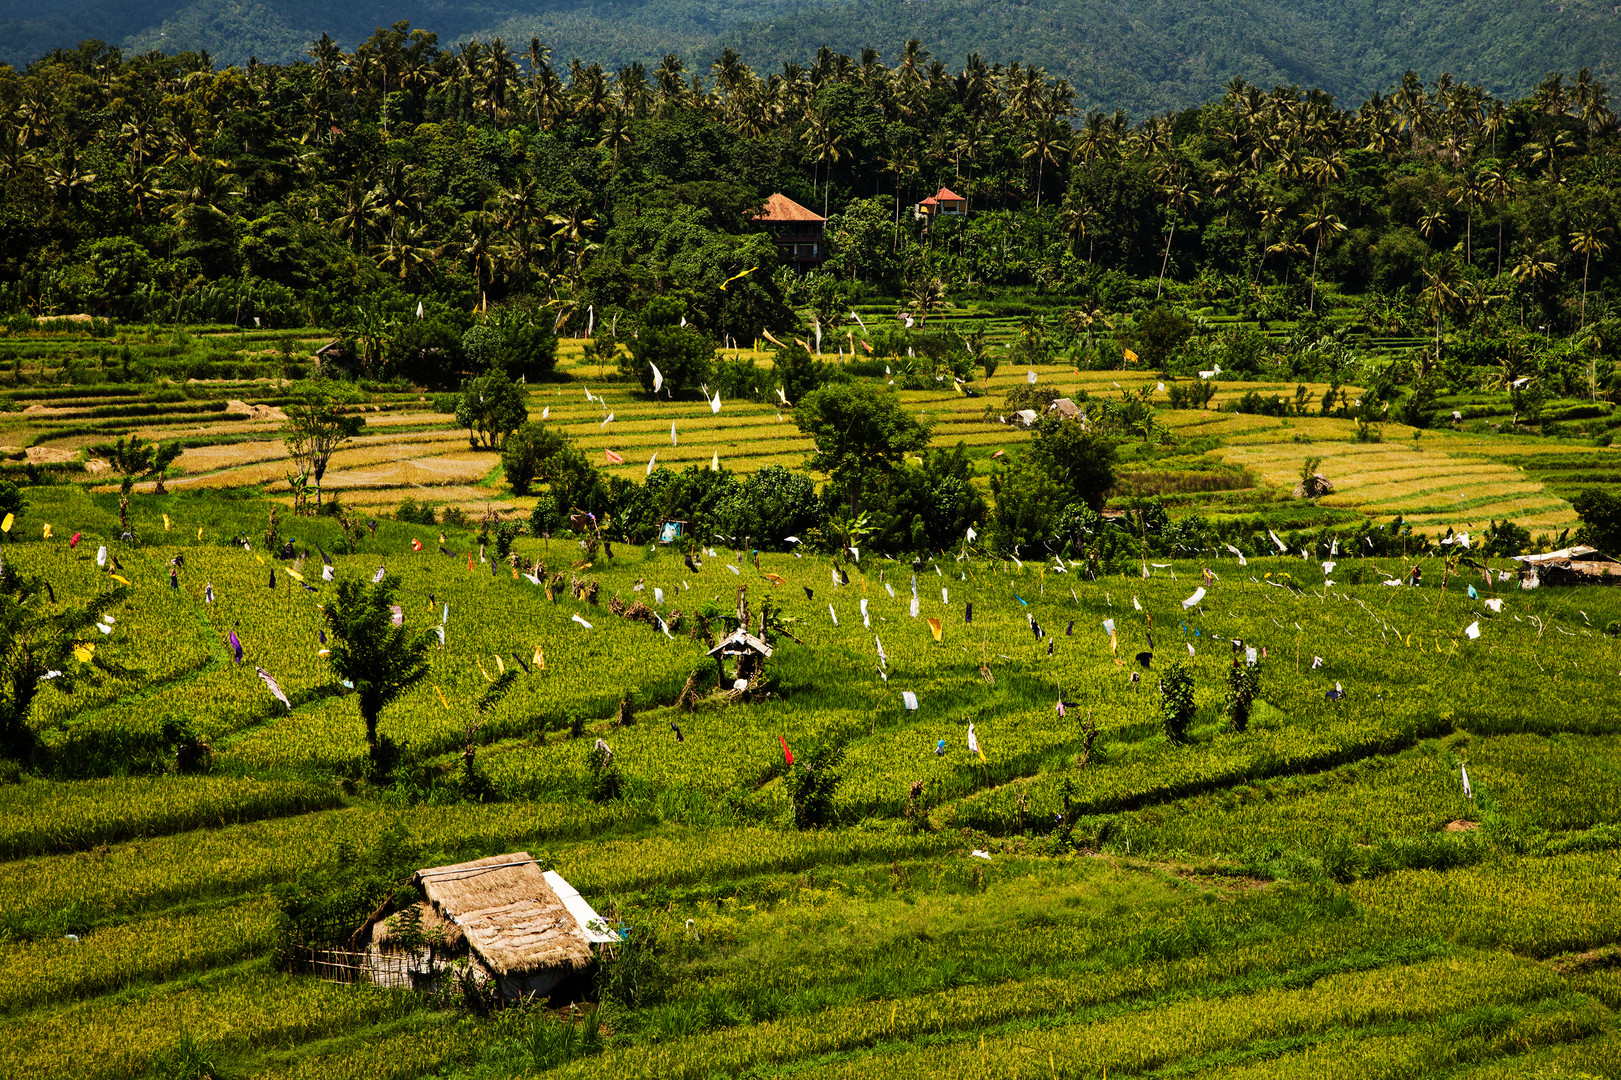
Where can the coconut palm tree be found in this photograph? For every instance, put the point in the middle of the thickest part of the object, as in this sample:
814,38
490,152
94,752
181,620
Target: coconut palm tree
1319,223
1178,198
1587,241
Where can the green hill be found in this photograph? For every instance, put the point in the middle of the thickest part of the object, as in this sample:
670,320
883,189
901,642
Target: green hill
1139,55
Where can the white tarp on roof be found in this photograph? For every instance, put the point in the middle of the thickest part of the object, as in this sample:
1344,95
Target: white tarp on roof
591,924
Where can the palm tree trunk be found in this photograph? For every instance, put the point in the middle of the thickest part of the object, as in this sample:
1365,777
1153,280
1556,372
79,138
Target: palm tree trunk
1165,260
1585,264
1312,306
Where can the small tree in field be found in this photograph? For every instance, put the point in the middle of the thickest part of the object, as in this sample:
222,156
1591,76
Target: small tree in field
1243,683
381,660
318,423
1176,701
811,787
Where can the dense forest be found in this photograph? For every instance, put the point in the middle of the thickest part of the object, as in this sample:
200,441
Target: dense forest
349,188
1139,55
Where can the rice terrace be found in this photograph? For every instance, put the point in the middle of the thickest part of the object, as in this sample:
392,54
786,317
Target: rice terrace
875,570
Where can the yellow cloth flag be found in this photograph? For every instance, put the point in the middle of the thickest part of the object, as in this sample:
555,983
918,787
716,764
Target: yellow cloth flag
442,700
500,665
1130,355
934,628
295,575
47,530
199,532
165,522
773,340
5,526
83,651
120,579
540,659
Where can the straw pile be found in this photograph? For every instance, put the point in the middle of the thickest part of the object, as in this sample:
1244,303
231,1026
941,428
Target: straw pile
510,915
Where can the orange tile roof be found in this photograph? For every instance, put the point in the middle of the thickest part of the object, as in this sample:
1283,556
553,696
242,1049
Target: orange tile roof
781,208
946,194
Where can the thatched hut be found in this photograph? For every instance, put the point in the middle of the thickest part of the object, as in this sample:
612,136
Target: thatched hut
1576,565
510,923
749,651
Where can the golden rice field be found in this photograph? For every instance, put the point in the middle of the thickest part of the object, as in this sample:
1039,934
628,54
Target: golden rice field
1443,479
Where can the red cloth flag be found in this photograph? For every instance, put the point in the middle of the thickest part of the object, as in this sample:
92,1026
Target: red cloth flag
613,458
416,545
787,754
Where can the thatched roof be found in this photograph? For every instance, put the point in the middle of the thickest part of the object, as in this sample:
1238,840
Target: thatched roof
1579,553
740,642
512,918
384,937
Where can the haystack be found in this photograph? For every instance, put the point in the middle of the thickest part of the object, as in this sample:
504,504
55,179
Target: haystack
1314,486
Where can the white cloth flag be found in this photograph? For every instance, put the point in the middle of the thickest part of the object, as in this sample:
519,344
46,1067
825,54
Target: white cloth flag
909,698
1282,547
1030,376
658,595
1249,655
1198,595
658,377
1495,604
326,573
945,597
1328,568
546,413
714,462
832,614
971,534
1472,631
665,629
608,421
378,577
101,555
1108,627
1241,560
884,657
714,406
973,740
864,620
273,687
914,607
650,462
672,433
581,621
1136,604
891,589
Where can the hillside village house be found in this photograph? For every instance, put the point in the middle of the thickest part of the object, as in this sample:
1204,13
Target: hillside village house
797,231
944,201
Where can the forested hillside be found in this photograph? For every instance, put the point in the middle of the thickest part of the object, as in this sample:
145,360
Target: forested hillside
1137,55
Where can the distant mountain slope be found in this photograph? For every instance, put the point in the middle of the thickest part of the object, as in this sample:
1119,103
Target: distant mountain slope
1155,54
1140,55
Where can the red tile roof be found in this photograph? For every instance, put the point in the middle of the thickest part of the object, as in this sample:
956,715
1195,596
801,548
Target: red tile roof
781,208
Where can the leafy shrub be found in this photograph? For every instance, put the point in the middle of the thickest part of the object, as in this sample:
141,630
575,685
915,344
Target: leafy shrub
1176,700
415,513
1243,683
811,787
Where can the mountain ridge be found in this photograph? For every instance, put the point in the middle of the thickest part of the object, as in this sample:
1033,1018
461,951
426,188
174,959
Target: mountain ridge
1137,55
